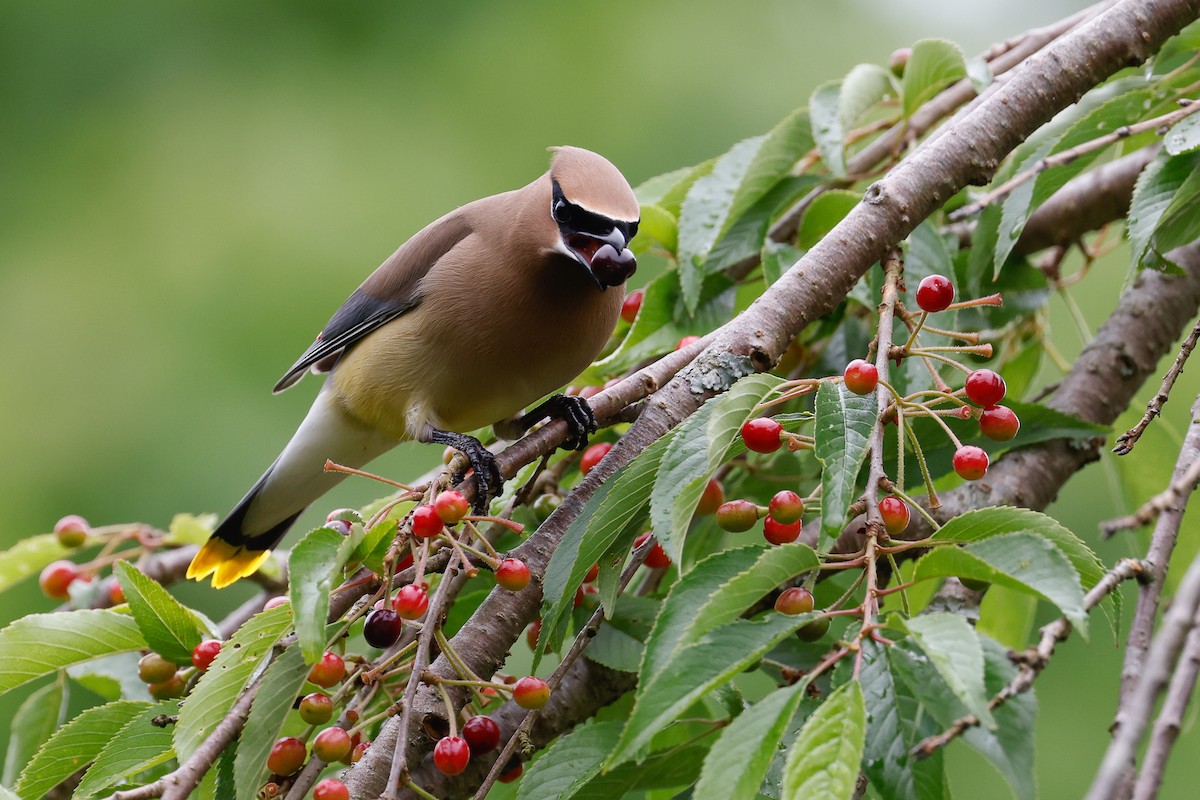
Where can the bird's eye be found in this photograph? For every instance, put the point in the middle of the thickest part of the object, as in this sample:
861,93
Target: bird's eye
561,212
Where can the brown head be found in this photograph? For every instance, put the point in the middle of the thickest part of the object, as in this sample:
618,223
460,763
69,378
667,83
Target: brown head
596,213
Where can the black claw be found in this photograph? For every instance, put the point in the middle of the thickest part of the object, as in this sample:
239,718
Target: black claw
576,412
488,480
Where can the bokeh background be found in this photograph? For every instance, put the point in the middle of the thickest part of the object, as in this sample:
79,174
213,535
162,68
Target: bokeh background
188,192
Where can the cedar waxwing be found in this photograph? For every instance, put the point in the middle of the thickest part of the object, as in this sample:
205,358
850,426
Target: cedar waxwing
481,313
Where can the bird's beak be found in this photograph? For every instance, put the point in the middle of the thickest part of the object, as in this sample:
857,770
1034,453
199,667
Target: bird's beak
607,258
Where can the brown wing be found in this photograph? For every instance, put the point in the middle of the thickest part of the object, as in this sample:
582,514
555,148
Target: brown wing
390,291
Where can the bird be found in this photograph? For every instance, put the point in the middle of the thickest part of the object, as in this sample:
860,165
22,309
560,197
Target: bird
481,313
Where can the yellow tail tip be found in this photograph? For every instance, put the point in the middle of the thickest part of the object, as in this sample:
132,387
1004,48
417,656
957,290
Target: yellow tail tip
226,562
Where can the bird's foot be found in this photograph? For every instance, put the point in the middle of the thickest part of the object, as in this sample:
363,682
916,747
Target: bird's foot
575,411
488,480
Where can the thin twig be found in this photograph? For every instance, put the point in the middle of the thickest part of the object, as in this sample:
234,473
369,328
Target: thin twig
1163,501
1128,439
1170,719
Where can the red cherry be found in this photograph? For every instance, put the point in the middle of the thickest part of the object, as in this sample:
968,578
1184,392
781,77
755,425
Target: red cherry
327,672
985,388
935,293
451,754
451,506
316,709
861,376
592,573
204,653
796,600
762,435
533,632
999,423
512,574
786,507
481,733
737,516
287,755
411,601
426,523
711,499
895,514
382,628
357,753
116,595
55,579
512,774
632,304
657,558
970,462
332,744
331,789
686,341
271,789
591,457
779,533
71,530
531,692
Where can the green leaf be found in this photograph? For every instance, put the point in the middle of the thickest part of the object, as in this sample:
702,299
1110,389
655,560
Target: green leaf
29,557
658,226
934,63
669,189
374,546
823,214
169,629
219,688
314,568
778,259
190,529
618,643
696,451
1023,561
1184,137
74,745
694,671
570,762
278,691
1007,616
835,107
138,746
824,759
35,721
928,254
954,650
738,761
1179,223
39,644
1153,193
112,677
842,431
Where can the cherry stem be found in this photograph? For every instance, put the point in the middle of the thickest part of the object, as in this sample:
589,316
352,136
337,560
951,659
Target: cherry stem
373,674
451,714
332,466
989,300
417,790
515,527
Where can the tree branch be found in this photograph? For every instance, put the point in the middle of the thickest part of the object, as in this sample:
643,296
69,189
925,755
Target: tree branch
1170,719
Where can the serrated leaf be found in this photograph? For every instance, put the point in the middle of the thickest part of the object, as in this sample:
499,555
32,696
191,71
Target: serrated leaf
35,721
112,677
278,691
657,226
1022,561
220,686
669,189
1184,137
842,430
374,546
168,628
933,65
138,746
823,214
1153,193
29,557
74,745
739,759
314,568
928,254
570,762
953,648
698,448
835,106
1179,223
190,529
824,759
39,644
694,671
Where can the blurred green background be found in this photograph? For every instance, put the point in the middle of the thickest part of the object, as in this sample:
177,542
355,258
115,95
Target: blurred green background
188,192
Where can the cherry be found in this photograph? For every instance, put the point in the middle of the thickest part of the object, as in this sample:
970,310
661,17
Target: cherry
935,293
169,689
382,628
344,514
895,514
814,630
339,526
796,600
55,579
985,388
316,709
591,457
287,755
533,632
451,506
592,573
786,507
512,574
762,435
999,423
545,505
779,533
204,653
657,558
512,774
332,744
270,789
71,530
411,601
531,692
970,462
426,523
153,668
359,750
737,516
481,733
327,672
331,789
116,595
686,341
632,304
711,499
861,376
451,754
275,602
